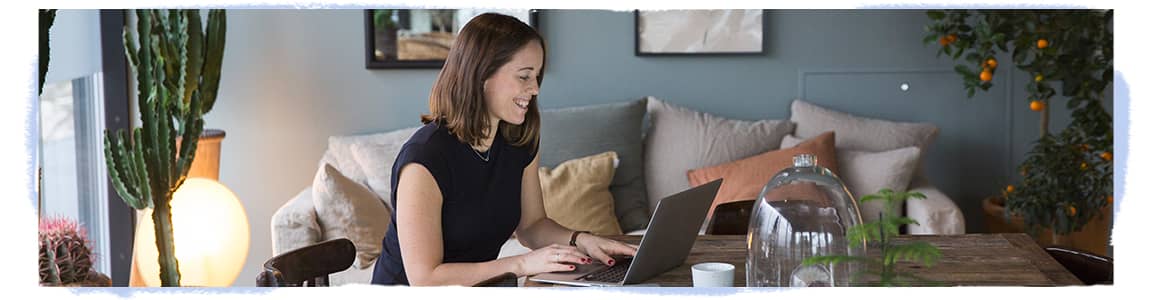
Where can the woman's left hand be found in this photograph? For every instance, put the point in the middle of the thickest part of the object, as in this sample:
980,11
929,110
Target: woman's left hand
602,249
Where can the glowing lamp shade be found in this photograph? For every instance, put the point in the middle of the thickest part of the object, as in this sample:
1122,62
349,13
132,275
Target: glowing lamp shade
211,236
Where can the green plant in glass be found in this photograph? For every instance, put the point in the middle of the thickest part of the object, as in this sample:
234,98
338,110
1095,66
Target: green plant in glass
1066,176
877,235
178,69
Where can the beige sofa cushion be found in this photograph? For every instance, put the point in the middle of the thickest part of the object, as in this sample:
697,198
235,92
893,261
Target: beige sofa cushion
680,139
347,209
340,152
377,162
859,133
576,194
865,173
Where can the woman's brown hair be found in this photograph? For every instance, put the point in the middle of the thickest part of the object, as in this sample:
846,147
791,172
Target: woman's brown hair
484,45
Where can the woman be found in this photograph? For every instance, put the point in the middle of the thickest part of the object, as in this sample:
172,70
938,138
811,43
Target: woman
468,179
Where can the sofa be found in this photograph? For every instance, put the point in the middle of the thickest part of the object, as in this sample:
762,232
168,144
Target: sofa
658,146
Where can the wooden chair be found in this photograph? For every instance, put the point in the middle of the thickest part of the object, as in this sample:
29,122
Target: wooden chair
731,218
1087,267
311,264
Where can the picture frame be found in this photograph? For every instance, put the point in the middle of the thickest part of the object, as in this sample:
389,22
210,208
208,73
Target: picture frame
700,32
420,38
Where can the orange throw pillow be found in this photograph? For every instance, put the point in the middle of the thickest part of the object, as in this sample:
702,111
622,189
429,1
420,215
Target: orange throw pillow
745,178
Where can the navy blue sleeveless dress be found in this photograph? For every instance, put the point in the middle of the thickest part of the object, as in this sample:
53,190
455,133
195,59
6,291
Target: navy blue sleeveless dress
481,199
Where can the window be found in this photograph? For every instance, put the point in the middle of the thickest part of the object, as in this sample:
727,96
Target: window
72,178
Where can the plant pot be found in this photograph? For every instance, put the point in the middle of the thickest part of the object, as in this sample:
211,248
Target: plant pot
1093,237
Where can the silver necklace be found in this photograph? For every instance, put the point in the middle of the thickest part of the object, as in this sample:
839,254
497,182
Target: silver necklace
484,158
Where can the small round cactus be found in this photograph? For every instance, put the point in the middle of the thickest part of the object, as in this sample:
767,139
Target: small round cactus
66,255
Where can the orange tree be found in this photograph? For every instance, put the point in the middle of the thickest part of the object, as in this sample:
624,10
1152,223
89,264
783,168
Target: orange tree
1067,175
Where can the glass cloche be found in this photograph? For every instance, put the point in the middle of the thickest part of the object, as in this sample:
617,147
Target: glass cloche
803,211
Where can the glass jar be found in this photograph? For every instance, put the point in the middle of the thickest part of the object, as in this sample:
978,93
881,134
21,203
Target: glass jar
803,211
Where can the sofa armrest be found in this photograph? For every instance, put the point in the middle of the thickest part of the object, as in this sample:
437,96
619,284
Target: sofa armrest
937,214
295,224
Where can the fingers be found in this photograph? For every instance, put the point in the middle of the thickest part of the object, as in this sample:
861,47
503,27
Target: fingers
572,257
602,257
626,249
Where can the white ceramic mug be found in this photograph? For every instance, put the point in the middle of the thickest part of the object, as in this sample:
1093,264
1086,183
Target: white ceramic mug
712,274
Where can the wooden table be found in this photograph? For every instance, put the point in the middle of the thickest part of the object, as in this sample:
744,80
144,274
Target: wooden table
1005,259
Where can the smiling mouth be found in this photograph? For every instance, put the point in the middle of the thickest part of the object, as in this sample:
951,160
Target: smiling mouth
523,104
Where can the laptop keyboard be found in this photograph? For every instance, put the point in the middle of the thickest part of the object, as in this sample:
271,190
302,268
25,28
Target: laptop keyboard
610,274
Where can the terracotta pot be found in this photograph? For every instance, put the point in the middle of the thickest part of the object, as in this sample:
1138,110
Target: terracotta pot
1093,237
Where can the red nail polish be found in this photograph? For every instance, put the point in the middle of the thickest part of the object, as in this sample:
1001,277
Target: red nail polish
572,267
610,262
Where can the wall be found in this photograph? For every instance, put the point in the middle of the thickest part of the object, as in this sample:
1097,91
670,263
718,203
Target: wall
294,77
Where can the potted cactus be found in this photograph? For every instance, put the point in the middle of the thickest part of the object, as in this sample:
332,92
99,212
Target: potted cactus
66,255
178,69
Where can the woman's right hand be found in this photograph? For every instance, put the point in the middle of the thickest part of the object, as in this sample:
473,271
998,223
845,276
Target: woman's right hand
554,258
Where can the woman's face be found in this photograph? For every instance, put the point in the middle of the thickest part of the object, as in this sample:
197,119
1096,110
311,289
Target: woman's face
509,91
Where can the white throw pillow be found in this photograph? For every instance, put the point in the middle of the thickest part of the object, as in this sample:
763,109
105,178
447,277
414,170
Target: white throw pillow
865,173
680,139
348,209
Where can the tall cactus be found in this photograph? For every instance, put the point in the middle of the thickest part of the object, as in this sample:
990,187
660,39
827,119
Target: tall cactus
178,69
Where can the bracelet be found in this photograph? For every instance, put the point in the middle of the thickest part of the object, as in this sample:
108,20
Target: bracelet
574,235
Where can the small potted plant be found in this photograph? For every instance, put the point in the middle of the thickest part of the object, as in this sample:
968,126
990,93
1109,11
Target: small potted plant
1066,179
877,235
66,255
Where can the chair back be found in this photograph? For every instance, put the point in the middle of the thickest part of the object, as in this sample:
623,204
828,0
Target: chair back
310,265
731,218
1087,267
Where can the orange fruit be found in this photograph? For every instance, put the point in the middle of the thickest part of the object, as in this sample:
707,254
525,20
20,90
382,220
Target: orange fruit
1038,77
951,38
1042,43
943,41
992,63
1010,188
1037,105
1083,166
985,75
1111,200
1107,156
1070,211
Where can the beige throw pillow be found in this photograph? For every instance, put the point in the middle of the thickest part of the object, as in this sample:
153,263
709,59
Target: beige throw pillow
680,139
865,173
576,194
377,162
339,151
348,209
857,132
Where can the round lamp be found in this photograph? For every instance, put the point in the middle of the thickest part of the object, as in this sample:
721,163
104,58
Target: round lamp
211,236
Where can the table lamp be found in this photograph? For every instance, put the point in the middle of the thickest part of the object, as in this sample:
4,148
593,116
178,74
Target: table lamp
211,234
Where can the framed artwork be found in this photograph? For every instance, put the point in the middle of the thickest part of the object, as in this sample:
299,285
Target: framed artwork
700,32
420,38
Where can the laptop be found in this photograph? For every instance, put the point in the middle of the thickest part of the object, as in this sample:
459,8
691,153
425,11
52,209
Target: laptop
670,236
